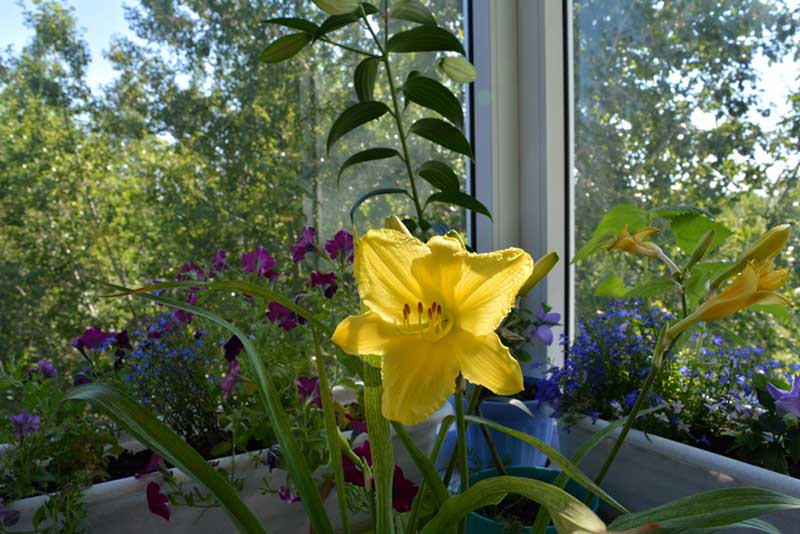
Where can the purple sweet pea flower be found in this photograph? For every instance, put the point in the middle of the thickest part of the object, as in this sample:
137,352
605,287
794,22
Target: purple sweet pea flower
788,401
233,347
8,517
288,495
283,316
340,245
93,339
189,268
153,464
326,282
304,245
259,261
157,502
46,369
218,263
546,320
25,424
308,390
229,382
185,316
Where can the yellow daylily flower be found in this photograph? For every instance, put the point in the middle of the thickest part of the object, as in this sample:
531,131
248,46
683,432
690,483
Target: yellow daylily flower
762,251
636,243
433,312
757,284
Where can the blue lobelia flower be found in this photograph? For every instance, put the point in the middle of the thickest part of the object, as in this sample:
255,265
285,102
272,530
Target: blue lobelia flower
788,401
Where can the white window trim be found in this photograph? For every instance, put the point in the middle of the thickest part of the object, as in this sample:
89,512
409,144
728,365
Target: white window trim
522,134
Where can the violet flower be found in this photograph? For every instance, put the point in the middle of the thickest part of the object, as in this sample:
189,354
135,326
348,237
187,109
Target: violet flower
93,339
188,269
326,282
233,347
157,502
403,490
8,517
308,390
153,464
218,263
788,401
283,316
25,424
229,382
340,246
304,245
46,369
259,261
185,316
546,320
288,495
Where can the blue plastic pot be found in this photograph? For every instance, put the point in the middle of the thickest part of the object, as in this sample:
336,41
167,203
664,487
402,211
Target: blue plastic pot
512,450
478,524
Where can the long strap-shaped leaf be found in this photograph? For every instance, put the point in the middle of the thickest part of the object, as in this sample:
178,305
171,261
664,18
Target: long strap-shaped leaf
157,436
718,508
569,514
556,457
290,451
425,466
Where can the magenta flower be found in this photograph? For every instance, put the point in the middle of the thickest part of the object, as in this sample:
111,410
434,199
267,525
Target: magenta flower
157,502
25,424
183,316
188,269
288,495
229,382
403,490
259,261
340,246
8,517
357,425
788,401
93,339
326,282
46,369
122,340
273,457
308,390
233,347
153,464
546,321
304,245
218,263
283,316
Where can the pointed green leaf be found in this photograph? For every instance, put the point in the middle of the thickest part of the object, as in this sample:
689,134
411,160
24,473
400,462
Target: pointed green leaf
353,117
412,10
442,133
613,286
335,22
295,23
439,175
670,212
374,193
337,7
285,47
370,154
651,288
461,199
431,94
458,69
157,436
364,79
425,39
690,228
425,465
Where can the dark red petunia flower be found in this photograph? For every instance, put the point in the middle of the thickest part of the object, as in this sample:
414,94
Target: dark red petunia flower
259,261
304,245
340,246
157,502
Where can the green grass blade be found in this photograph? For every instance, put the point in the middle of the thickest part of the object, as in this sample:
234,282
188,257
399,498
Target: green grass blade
424,465
157,436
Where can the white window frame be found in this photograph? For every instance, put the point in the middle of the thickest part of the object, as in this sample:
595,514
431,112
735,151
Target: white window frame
521,127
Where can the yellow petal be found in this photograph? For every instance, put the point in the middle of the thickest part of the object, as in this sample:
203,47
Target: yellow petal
438,272
486,361
418,376
488,286
364,334
383,271
644,233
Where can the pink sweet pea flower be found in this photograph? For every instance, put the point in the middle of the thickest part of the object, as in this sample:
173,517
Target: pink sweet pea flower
304,245
259,261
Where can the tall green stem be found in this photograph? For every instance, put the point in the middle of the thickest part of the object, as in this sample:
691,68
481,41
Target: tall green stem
332,433
380,445
461,444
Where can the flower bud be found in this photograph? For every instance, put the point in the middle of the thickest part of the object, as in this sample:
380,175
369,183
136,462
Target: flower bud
540,270
394,223
456,236
762,251
700,250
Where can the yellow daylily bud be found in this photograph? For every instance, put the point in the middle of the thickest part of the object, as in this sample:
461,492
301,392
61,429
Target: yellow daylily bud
540,269
636,243
762,251
757,284
394,223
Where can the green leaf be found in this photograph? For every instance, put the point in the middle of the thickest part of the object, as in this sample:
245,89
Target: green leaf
335,22
364,79
460,198
285,47
779,311
371,154
458,69
702,273
652,288
440,175
713,509
353,117
425,39
431,94
610,226
296,24
555,457
337,7
690,228
442,133
412,10
670,212
425,466
374,193
613,286
569,514
158,437
223,447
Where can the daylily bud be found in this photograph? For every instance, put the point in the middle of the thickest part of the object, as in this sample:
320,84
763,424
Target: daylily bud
540,270
394,223
762,251
452,234
700,250
636,243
